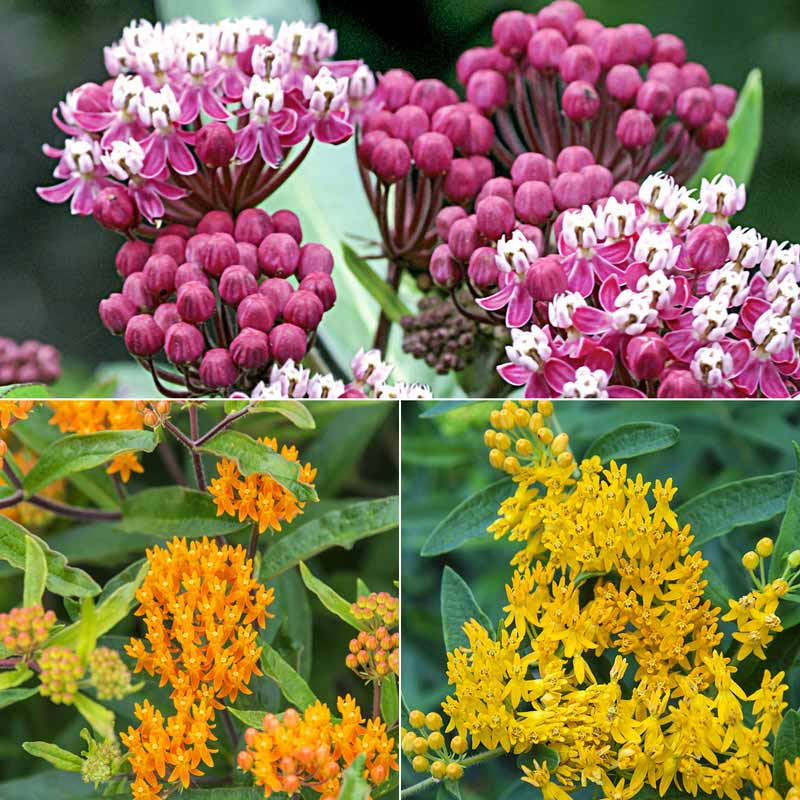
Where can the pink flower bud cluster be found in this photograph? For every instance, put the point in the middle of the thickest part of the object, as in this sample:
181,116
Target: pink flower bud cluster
657,295
557,78
224,301
371,378
24,630
195,117
28,362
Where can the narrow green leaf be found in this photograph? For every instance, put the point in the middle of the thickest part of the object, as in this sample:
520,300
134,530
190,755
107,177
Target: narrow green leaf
55,755
61,578
334,602
394,308
468,520
718,511
390,702
99,717
25,391
633,439
789,535
253,719
10,696
80,452
354,785
341,528
458,607
362,590
169,511
738,156
787,748
252,456
9,679
292,686
35,573
87,629
293,410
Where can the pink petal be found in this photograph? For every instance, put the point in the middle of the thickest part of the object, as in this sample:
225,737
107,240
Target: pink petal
772,384
752,309
94,121
609,292
514,374
155,157
333,129
168,190
212,105
749,377
600,358
557,373
635,273
740,353
680,342
581,279
149,203
284,121
189,103
624,393
591,320
246,143
270,146
58,193
498,300
537,386
83,199
180,156
520,309
615,253
604,268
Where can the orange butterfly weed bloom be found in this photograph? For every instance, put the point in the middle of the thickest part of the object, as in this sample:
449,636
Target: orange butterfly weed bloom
91,416
259,497
312,750
12,410
199,603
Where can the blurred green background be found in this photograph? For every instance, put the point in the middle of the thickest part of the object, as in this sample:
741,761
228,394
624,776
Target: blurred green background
445,461
55,269
355,450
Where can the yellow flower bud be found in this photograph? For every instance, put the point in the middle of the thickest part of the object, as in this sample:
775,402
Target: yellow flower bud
545,435
526,404
489,437
438,769
416,719
764,547
436,741
420,746
496,458
507,419
502,441
560,444
750,560
522,417
524,447
494,419
793,559
511,465
420,764
537,420
454,772
408,742
433,721
565,460
458,745
545,407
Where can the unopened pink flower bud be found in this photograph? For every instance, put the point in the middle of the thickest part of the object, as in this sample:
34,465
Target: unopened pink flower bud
409,123
287,341
563,15
252,225
196,248
136,291
461,183
216,222
314,258
322,286
724,99
114,209
278,255
655,98
132,257
707,247
217,370
433,154
444,269
482,268
285,221
580,101
184,343
645,356
533,202
601,180
143,337
195,302
278,291
487,90
166,315
159,275
215,144
667,47
545,49
612,48
171,245
250,349
587,30
546,278
463,238
713,135
445,219
391,160
484,169
190,272
679,383
695,75
625,191
116,311
377,121
220,252
579,63
668,74
574,159
511,31
395,88
695,107
236,283
431,94
532,167
640,41
175,229
623,83
494,217
571,190
635,129
248,257
496,187
304,309
256,311
367,146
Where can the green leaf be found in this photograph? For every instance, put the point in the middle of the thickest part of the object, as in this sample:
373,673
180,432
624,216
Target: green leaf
99,717
354,786
61,578
633,439
738,156
390,702
25,391
469,519
293,410
169,511
81,452
10,696
254,457
87,630
362,590
787,748
718,511
334,602
35,573
292,686
292,610
789,535
394,308
458,607
253,719
55,755
340,528
9,679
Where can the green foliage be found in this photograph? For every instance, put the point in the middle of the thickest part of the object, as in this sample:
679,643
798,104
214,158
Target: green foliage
787,748
789,536
35,572
387,299
354,787
390,701
55,755
292,686
458,607
633,439
329,598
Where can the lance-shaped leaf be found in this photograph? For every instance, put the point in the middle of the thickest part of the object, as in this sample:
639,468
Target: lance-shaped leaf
458,607
354,786
292,686
10,696
390,702
293,410
99,717
55,755
394,308
789,536
9,679
633,439
787,748
333,601
35,573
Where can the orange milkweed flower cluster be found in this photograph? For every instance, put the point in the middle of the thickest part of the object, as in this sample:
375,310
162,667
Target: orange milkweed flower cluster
11,410
91,416
259,497
200,605
311,750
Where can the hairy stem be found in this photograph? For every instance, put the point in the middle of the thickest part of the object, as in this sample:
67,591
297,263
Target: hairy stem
420,787
197,461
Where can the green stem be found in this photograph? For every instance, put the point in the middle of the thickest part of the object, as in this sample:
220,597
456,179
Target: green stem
376,700
417,788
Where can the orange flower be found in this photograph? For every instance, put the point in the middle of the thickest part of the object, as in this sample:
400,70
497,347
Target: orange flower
13,409
311,751
258,497
199,602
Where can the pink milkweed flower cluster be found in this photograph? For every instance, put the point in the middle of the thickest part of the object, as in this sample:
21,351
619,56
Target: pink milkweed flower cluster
28,362
688,306
194,128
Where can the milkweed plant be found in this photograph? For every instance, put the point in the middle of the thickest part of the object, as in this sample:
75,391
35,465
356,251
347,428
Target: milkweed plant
191,667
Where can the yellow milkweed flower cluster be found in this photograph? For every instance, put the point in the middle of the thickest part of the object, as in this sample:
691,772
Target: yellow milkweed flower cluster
11,410
200,603
606,669
259,497
312,750
91,416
